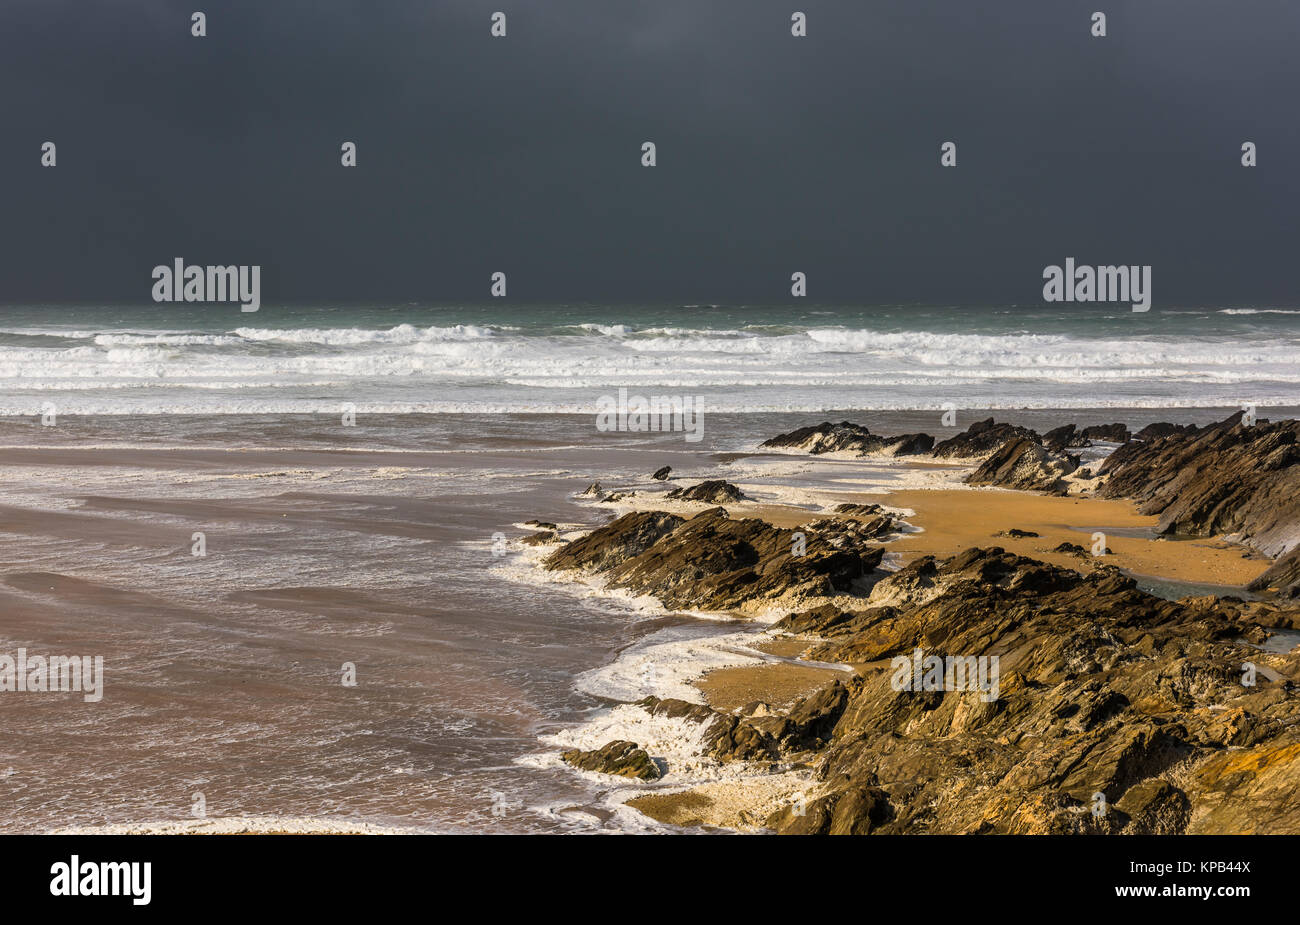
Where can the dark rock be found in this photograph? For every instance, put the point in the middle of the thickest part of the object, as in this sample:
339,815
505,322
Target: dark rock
541,524
615,543
673,708
859,510
1016,534
1156,431
1025,465
846,437
592,491
539,539
910,444
870,523
981,439
1283,576
1107,433
1059,438
712,562
620,758
661,474
715,491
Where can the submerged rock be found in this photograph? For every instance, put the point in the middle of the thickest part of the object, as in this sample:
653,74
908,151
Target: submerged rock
846,437
620,758
541,538
714,491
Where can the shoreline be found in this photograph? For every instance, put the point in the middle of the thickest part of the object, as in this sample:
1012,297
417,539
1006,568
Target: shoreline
244,825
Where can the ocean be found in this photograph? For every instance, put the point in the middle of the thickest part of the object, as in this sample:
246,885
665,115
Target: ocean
376,545
213,359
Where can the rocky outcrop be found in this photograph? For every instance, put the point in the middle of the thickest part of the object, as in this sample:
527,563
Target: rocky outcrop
620,758
662,473
1024,465
761,737
541,538
714,562
1282,576
873,520
1164,429
1106,433
1068,436
981,439
1103,690
615,543
853,438
859,510
1059,438
1229,478
714,491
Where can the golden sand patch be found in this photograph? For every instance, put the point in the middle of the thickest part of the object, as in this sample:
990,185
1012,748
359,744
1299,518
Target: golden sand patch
777,684
956,520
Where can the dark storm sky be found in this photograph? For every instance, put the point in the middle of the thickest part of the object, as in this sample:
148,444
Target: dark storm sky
776,154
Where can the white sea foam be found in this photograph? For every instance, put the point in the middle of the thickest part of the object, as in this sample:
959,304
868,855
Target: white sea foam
664,665
483,368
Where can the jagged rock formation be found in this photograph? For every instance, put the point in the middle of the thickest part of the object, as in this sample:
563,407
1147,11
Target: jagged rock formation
981,439
1283,575
1228,478
541,538
1070,436
714,491
1103,689
859,510
1164,429
1058,438
834,438
761,737
620,758
1024,465
1107,433
875,520
712,562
